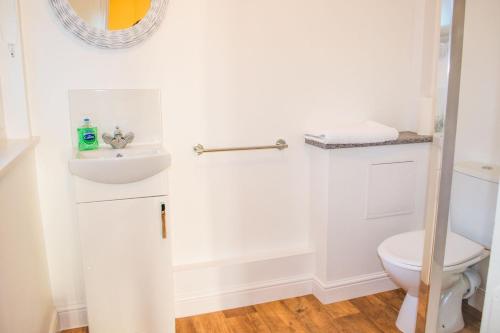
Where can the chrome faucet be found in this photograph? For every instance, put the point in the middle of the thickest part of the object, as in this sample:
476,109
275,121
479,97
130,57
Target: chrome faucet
118,140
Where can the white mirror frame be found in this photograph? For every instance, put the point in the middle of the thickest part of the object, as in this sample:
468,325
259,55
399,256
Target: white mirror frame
110,39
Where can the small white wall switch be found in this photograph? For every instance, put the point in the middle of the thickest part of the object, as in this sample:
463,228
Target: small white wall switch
12,49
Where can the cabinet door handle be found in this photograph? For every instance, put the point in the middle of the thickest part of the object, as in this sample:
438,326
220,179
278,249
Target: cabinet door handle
163,221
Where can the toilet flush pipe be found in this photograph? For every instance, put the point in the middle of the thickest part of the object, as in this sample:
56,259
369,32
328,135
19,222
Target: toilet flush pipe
474,281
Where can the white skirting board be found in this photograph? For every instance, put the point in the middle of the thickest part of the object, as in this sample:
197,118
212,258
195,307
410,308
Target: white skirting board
247,282
215,286
358,286
72,317
207,287
276,290
249,295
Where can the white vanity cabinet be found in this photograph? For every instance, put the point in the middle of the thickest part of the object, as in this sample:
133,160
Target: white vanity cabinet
128,276
126,252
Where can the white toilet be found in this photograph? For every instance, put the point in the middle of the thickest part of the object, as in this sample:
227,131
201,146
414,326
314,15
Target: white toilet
472,216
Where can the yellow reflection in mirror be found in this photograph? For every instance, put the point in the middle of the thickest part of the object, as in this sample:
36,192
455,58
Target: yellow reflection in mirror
111,14
123,14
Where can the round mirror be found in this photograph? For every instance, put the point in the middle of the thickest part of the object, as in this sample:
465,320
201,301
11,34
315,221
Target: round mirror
110,23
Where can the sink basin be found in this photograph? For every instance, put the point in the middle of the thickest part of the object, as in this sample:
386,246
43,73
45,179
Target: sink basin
119,166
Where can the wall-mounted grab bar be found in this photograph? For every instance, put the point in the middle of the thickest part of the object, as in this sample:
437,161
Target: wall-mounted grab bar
280,145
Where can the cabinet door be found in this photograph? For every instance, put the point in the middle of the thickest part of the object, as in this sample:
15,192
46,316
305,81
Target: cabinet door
127,266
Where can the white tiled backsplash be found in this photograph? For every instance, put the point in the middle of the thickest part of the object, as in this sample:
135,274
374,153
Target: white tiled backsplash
135,110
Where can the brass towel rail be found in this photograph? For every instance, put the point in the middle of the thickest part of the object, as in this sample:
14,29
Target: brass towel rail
200,149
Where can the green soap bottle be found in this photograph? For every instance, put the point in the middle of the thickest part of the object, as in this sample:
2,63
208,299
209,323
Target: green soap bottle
87,136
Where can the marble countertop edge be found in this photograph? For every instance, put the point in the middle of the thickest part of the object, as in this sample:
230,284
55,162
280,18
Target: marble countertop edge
405,137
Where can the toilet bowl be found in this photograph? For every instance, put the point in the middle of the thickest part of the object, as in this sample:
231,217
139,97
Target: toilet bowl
401,256
472,217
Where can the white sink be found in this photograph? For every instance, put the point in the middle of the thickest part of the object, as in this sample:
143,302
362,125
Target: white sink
120,166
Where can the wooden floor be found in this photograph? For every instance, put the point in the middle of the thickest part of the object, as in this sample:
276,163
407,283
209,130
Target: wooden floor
374,313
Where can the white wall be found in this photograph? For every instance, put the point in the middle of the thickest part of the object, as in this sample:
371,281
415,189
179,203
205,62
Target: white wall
26,301
491,321
230,73
25,296
478,136
12,80
2,121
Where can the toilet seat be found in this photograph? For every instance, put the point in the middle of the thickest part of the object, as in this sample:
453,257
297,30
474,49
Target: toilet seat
406,250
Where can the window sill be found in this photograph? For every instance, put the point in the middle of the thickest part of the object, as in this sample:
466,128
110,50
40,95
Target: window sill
12,150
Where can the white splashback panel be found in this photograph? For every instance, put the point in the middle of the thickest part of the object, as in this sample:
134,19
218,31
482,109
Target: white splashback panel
136,110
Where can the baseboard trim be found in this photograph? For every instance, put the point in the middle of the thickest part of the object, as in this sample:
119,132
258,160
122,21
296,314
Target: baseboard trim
54,323
243,296
250,294
73,316
334,291
359,286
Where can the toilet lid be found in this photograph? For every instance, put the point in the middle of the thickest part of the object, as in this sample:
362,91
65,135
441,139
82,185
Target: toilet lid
407,249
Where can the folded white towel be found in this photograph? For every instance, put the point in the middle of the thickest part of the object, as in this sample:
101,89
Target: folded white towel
366,132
